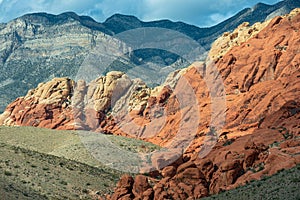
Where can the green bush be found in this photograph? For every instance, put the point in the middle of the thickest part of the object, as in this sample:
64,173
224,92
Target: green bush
63,182
8,173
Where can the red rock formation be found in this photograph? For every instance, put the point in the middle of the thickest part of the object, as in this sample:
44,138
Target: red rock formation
46,106
124,188
261,135
234,162
260,76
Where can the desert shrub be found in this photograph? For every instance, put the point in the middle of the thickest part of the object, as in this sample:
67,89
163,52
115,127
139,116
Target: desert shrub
7,173
63,182
85,191
45,168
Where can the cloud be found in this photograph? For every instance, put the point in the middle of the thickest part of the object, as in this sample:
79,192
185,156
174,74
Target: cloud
216,18
120,6
191,11
202,13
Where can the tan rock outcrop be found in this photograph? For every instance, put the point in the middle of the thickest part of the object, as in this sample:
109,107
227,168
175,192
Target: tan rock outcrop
240,35
46,106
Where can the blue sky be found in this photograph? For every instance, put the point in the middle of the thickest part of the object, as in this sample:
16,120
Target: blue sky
197,12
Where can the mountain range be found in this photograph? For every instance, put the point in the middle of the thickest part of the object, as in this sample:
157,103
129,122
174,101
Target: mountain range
83,122
215,125
44,46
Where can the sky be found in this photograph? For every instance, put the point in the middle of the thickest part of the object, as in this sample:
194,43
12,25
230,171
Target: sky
201,13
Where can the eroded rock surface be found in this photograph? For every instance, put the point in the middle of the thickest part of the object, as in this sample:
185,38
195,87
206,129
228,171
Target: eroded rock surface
233,162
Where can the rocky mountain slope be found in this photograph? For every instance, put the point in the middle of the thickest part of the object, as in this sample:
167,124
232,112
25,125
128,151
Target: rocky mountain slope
259,13
271,64
260,134
44,46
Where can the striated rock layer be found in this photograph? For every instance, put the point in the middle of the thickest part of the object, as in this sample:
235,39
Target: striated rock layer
260,134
